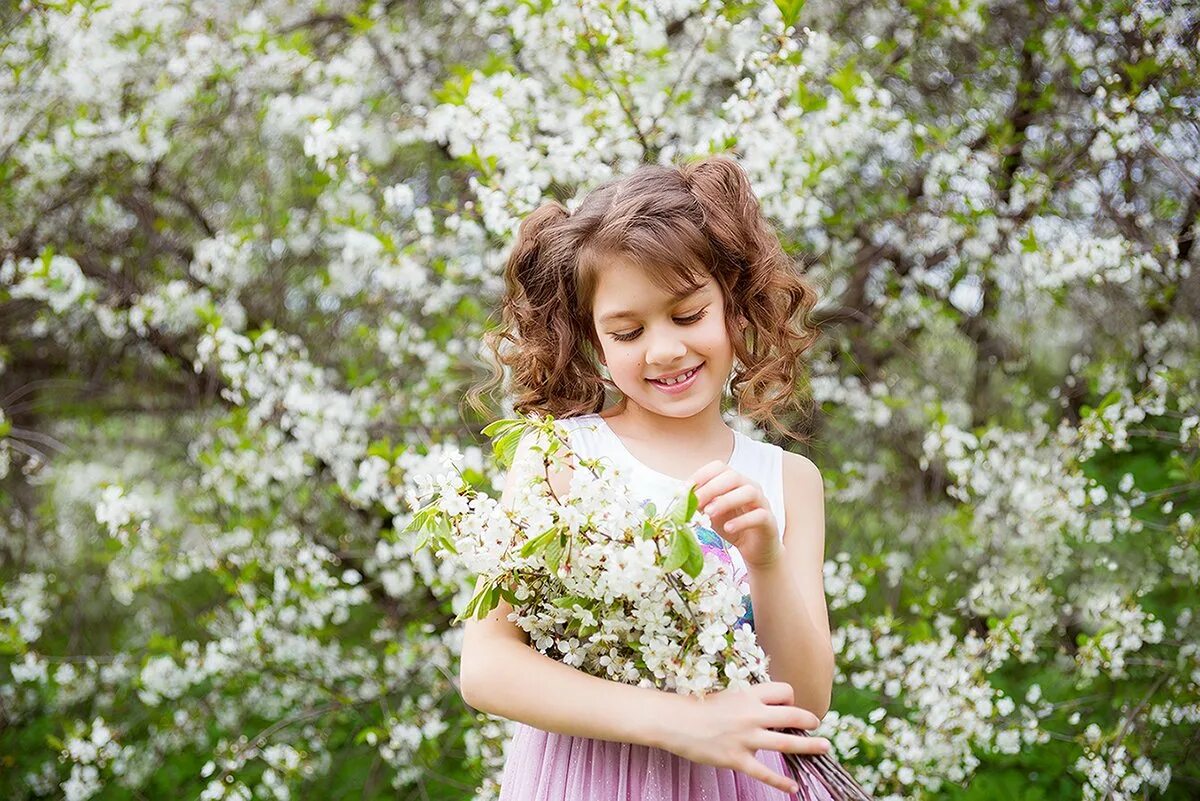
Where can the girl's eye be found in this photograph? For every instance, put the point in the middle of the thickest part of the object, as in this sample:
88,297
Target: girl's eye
689,320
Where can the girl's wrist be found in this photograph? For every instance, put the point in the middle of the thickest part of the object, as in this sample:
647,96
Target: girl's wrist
769,562
664,718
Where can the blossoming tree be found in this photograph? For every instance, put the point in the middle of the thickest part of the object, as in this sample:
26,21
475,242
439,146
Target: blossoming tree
247,251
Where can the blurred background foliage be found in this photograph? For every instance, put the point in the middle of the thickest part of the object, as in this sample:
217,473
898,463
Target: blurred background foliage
247,252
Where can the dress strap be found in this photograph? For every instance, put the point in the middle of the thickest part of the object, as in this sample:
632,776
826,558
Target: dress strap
763,462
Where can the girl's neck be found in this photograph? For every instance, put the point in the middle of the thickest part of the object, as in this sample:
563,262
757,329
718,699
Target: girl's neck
638,423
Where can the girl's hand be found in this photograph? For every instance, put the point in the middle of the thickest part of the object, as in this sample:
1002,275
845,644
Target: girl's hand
740,512
726,729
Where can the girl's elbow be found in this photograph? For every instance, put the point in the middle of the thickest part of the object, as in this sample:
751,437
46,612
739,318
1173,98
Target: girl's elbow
469,688
822,710
823,702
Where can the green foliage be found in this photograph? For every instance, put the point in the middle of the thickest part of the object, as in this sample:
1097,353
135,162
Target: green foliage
505,434
685,552
790,10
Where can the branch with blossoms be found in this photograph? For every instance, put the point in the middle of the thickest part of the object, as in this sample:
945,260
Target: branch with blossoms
602,582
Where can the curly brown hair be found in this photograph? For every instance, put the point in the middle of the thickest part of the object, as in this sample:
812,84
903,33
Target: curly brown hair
681,223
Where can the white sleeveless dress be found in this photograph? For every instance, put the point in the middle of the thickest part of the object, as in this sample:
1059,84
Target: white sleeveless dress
549,766
590,436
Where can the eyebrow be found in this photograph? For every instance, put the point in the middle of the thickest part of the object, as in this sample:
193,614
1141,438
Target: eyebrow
687,293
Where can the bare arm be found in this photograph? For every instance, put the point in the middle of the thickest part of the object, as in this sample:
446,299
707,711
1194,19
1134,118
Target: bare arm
506,678
791,618
502,675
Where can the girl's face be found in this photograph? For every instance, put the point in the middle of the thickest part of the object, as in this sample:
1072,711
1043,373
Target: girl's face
646,335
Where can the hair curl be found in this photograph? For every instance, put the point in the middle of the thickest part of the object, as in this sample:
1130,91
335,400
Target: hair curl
682,224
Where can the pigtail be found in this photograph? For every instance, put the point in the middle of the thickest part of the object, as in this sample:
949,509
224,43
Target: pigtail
530,284
769,302
538,330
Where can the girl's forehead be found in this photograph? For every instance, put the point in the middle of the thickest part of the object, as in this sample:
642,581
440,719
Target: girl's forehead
625,294
626,276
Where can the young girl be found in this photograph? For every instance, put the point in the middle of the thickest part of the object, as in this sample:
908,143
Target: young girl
670,282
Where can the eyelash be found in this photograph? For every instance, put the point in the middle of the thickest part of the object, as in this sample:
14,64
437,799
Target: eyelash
695,318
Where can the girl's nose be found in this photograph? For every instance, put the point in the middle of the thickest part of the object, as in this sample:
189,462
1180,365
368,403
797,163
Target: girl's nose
665,348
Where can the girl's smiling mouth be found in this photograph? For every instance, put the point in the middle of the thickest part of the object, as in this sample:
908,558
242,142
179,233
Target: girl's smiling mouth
680,382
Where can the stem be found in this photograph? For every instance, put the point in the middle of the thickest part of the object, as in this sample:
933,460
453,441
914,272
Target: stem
834,778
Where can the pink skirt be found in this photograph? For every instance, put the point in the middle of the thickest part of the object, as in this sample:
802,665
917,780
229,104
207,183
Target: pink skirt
547,766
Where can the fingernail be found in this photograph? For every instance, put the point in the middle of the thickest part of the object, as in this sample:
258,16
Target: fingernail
794,788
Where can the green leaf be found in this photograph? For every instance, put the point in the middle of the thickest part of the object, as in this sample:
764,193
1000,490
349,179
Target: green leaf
790,9
539,542
568,601
435,527
442,540
685,548
469,611
681,513
847,79
454,91
422,518
497,426
807,99
481,603
678,555
1109,400
1141,72
554,552
363,735
695,556
1029,242
505,447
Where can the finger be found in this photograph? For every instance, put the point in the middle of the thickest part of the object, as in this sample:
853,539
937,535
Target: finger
720,483
791,743
776,692
706,472
728,502
755,517
706,475
784,716
755,769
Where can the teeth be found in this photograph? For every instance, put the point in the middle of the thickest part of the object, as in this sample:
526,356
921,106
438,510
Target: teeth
672,381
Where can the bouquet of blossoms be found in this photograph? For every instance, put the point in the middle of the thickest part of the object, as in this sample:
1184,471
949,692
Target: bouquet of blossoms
603,583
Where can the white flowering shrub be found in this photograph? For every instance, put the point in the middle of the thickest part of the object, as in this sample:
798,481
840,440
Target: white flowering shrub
247,253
